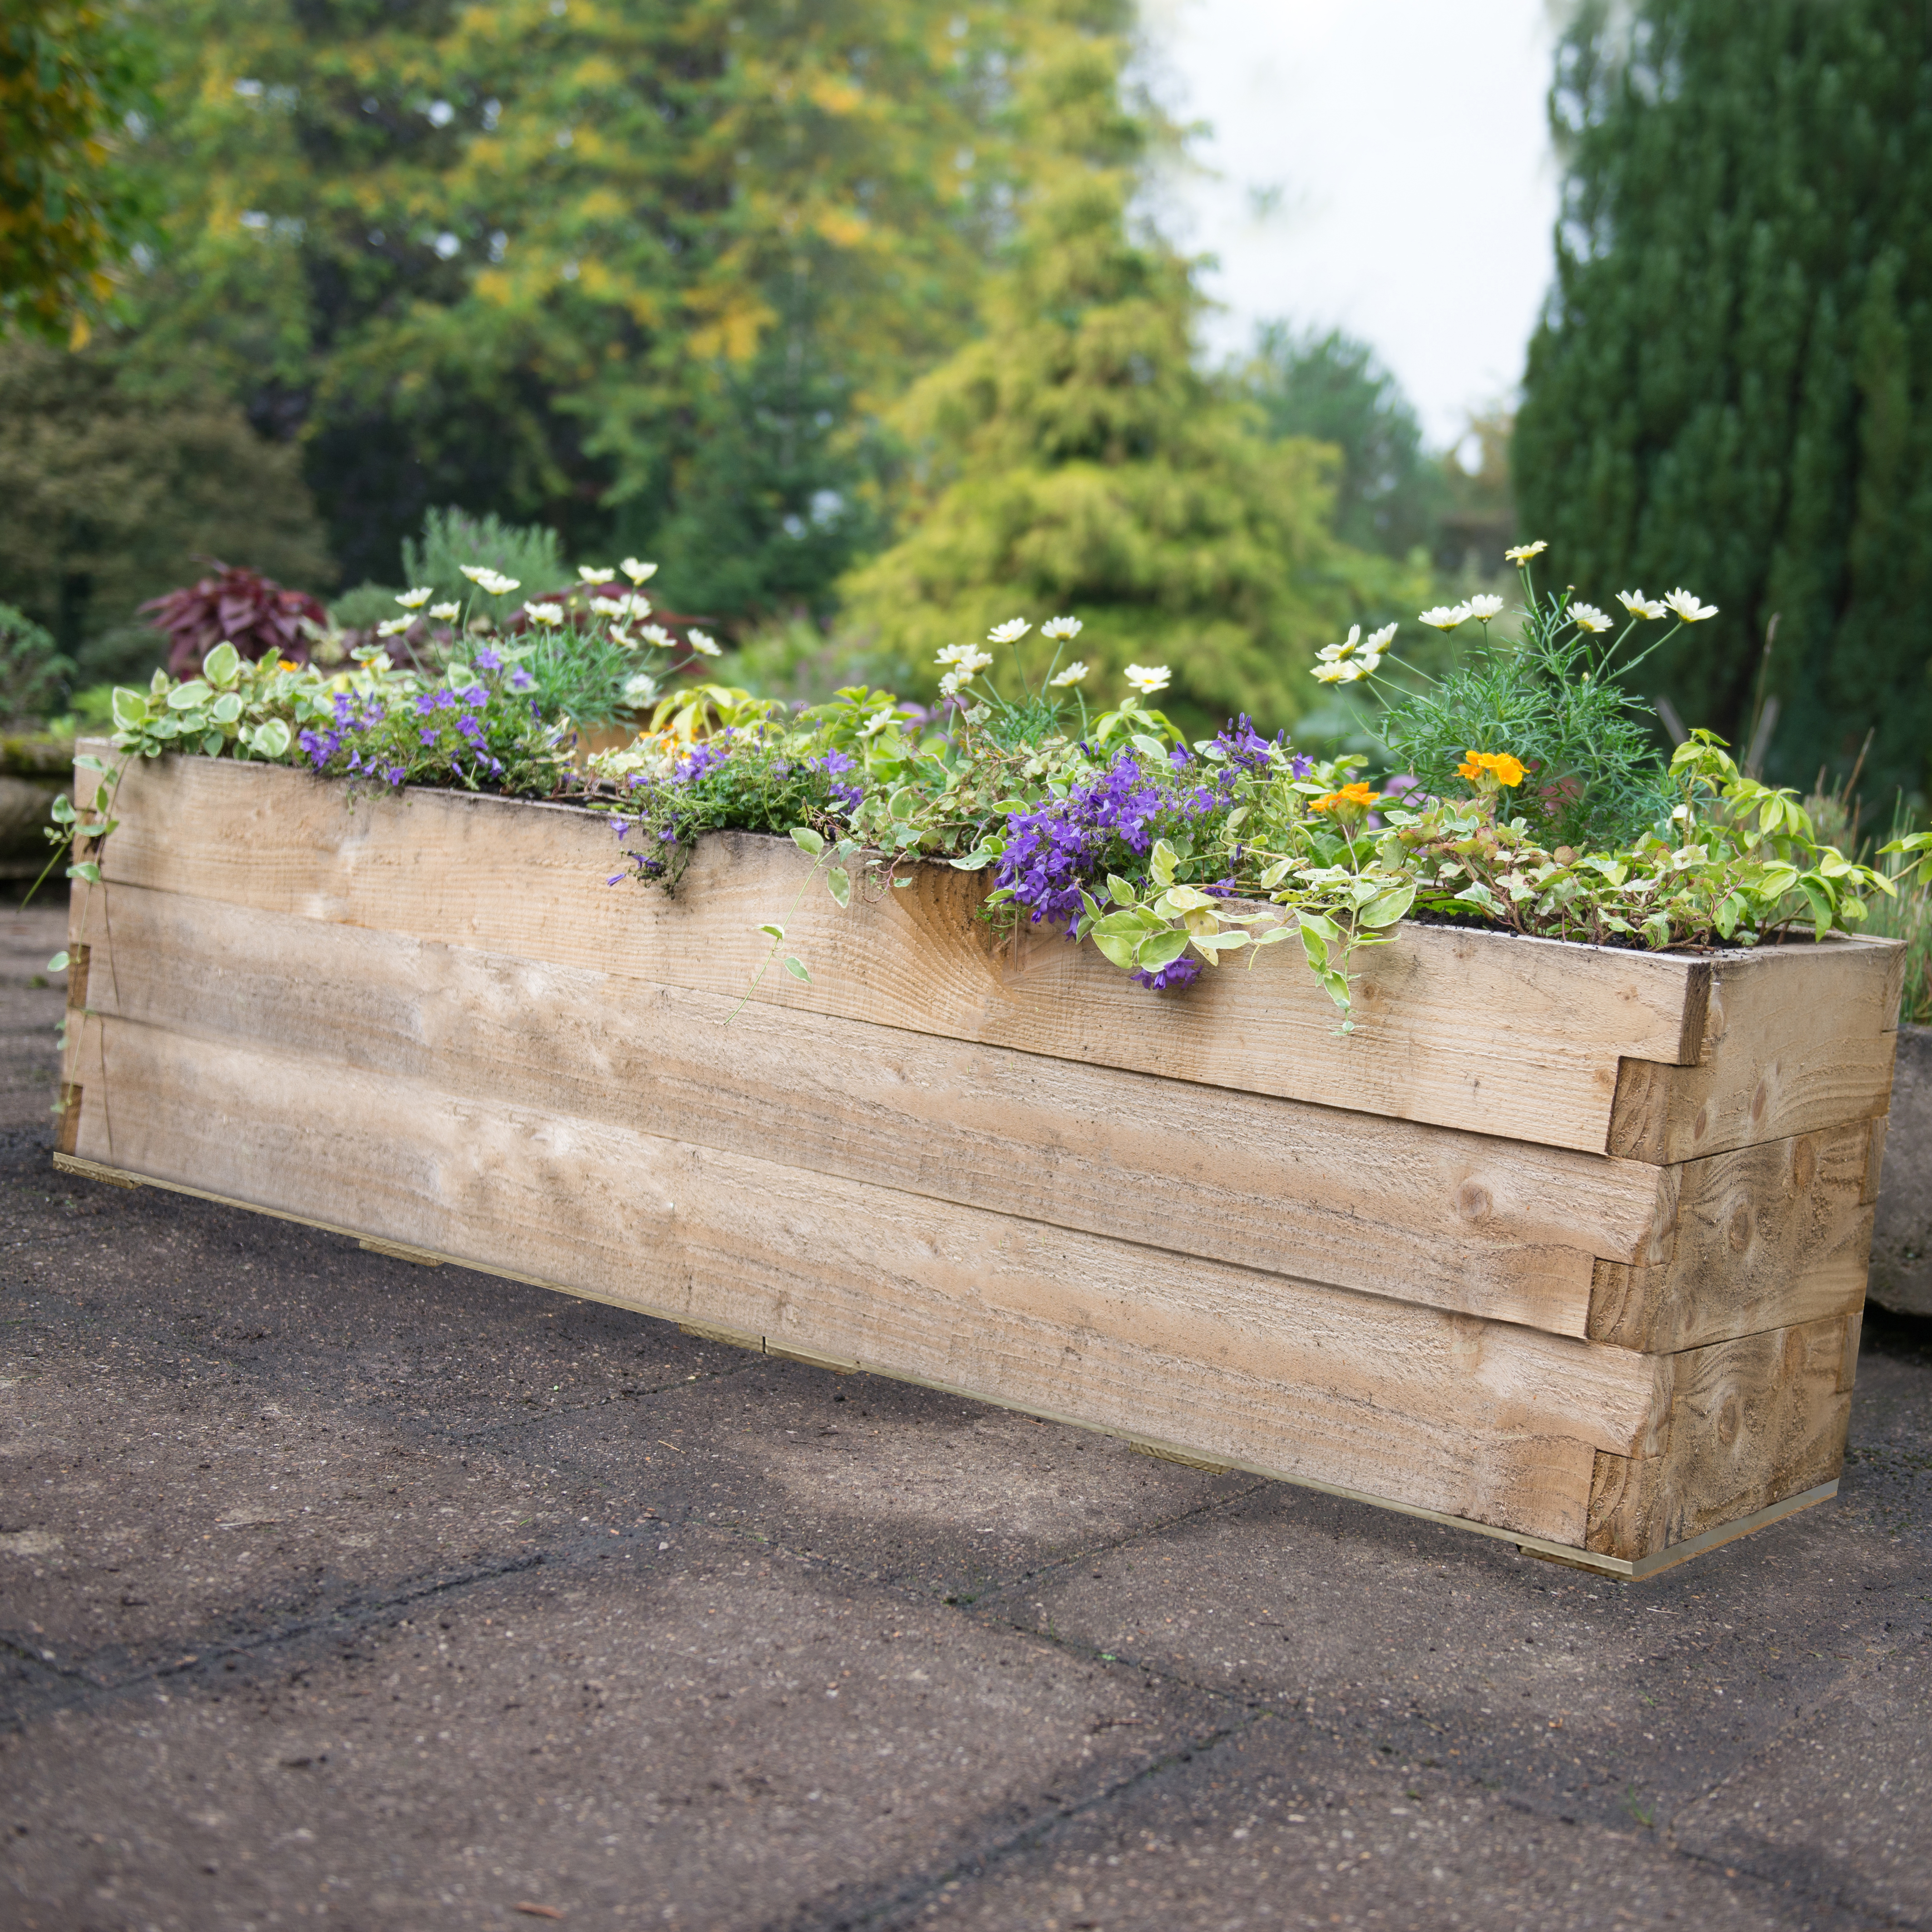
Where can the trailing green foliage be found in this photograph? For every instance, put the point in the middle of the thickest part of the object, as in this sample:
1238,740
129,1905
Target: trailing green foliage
1733,384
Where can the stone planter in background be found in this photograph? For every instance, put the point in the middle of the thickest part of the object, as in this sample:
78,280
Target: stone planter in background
34,772
1901,1261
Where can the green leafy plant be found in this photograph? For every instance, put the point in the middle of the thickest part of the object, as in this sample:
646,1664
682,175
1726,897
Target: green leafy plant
34,674
244,709
1554,698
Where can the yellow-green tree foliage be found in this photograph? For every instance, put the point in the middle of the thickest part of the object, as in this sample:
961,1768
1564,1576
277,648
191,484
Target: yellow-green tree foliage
519,255
70,72
1075,460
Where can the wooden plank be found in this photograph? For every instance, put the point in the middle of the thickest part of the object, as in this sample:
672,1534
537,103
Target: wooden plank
1764,1237
1460,1221
1750,1423
1799,1037
1479,1031
1486,1420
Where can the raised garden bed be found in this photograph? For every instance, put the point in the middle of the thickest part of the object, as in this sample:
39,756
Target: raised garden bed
1565,1245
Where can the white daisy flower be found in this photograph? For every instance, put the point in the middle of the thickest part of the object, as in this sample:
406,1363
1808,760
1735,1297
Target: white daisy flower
1061,629
1524,552
1484,608
1638,605
448,613
1685,604
549,615
704,644
1010,632
638,573
1445,616
1071,675
414,600
1588,617
1148,679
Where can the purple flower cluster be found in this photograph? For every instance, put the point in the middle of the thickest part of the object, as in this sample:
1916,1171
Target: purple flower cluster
1245,748
354,717
1052,853
848,796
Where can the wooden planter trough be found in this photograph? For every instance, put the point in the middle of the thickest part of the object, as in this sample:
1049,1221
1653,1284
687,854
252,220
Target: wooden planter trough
1564,1245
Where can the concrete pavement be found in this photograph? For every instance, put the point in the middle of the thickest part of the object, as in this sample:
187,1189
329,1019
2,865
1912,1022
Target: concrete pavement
338,1591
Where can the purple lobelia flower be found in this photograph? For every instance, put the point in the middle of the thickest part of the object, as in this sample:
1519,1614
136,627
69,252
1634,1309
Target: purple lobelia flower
1176,973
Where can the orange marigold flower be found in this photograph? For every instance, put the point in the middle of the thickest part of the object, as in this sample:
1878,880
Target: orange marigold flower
1504,768
1357,794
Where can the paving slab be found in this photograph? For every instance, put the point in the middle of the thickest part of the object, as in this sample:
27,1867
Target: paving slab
1841,1808
1264,1829
667,1729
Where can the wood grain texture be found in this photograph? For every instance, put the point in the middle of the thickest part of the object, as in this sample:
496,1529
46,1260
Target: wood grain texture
1458,1221
1799,1036
1750,1422
1764,1238
1487,1421
1479,1031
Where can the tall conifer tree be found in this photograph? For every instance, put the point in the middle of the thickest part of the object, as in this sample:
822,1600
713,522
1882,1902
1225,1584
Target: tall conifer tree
1075,460
1732,387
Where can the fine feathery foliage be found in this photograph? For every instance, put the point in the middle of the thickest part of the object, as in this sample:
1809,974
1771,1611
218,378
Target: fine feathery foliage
1733,383
1554,698
453,540
1075,457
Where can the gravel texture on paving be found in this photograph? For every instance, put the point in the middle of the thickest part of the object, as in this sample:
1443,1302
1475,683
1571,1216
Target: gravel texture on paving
336,1591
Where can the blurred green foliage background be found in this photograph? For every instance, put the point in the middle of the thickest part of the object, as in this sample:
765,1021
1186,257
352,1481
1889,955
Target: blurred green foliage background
850,313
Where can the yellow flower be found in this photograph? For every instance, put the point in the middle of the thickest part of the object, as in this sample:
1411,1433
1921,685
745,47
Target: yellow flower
1349,799
1505,769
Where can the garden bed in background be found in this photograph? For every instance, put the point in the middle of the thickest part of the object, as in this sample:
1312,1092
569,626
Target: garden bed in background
1565,1244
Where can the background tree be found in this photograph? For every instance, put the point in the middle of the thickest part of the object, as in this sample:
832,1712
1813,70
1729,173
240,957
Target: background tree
1075,458
73,80
1732,389
544,259
111,496
1331,388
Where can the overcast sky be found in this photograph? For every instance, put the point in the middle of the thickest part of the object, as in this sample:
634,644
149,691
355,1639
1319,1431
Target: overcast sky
1379,164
